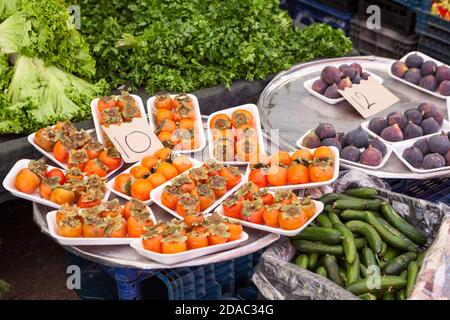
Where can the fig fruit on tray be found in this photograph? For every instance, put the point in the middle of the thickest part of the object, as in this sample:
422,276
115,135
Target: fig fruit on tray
429,153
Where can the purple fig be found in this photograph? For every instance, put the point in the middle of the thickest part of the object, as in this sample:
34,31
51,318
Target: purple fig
351,153
439,143
413,75
399,69
430,126
319,86
414,116
332,142
422,145
428,68
392,133
444,88
414,60
371,157
344,83
332,92
433,161
357,137
414,156
311,140
377,124
428,82
325,130
442,73
399,119
377,144
412,131
331,75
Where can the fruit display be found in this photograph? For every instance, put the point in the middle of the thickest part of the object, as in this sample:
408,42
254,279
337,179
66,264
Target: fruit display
198,189
426,74
152,171
115,110
281,209
424,120
333,79
354,146
298,168
195,231
429,153
60,187
359,236
174,119
74,148
235,135
107,219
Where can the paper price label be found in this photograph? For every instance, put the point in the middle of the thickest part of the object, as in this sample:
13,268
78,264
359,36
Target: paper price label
369,97
133,140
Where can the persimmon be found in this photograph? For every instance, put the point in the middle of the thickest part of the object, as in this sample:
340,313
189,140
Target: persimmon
140,189
163,101
74,174
291,217
122,183
218,234
200,228
166,138
232,175
220,122
253,211
235,230
95,166
187,203
62,196
105,103
70,228
110,116
174,244
94,228
193,218
232,207
140,172
149,161
86,202
281,158
110,158
47,185
58,173
137,222
184,183
321,171
45,139
77,158
247,150
156,179
212,167
163,114
26,181
186,124
60,152
182,163
199,175
285,197
130,111
205,196
66,211
323,153
116,226
152,243
218,185
183,112
302,155
248,190
167,125
181,99
259,177
163,153
277,176
240,117
167,170
266,197
308,206
132,205
271,216
196,240
297,173
170,195
110,209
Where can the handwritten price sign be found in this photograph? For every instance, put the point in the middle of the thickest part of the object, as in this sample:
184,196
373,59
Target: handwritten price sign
369,97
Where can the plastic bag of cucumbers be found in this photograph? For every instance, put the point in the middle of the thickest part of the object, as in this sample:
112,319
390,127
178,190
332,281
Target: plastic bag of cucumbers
369,243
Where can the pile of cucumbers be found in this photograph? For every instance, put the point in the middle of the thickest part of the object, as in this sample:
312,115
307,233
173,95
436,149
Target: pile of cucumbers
363,245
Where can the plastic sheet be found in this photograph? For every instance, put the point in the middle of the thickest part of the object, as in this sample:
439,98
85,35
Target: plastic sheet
277,278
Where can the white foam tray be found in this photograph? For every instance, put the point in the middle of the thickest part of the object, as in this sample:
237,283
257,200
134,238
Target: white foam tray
425,58
50,155
257,120
8,184
96,115
106,241
312,184
198,122
398,150
155,194
174,258
289,233
352,164
110,184
308,86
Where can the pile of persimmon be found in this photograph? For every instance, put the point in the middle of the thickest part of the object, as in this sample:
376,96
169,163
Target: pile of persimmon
77,149
195,231
235,138
302,167
107,219
153,171
200,187
70,187
175,121
114,110
281,209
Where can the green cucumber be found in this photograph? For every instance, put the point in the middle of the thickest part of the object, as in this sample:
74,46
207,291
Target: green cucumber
388,236
400,224
360,243
313,259
323,221
367,296
364,192
363,270
321,271
325,235
399,263
413,271
386,282
420,258
302,261
401,294
351,214
348,241
332,268
391,253
306,246
329,198
343,274
369,232
394,231
388,296
352,273
384,249
357,204
368,258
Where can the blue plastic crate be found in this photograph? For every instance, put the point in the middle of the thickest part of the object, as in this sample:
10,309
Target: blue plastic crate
411,4
308,12
434,190
431,25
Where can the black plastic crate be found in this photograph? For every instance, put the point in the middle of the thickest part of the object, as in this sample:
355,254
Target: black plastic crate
412,4
383,42
343,5
437,49
431,25
393,15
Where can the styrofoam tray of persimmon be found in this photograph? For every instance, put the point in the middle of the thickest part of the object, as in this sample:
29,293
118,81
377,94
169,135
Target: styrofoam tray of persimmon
8,184
173,258
80,241
318,209
199,134
96,115
110,184
253,109
156,194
